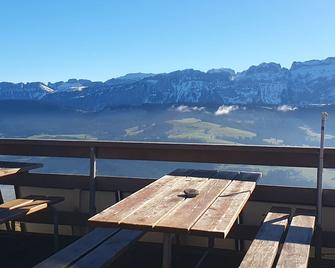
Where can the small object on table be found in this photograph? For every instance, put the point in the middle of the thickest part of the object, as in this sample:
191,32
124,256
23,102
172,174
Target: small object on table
190,193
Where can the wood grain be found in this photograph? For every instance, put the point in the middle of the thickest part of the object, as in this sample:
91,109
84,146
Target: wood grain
184,216
162,205
16,203
105,253
182,152
116,213
166,199
221,215
78,249
20,207
264,248
295,251
10,168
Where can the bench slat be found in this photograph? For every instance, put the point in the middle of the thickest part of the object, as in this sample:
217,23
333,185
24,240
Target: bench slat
263,249
17,208
78,249
295,251
110,249
16,203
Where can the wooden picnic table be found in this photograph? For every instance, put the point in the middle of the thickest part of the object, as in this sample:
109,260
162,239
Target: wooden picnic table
10,168
162,206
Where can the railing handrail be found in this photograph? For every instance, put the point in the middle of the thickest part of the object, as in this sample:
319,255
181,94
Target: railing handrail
293,156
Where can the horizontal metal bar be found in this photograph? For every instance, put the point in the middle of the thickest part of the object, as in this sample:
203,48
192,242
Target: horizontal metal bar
64,181
262,193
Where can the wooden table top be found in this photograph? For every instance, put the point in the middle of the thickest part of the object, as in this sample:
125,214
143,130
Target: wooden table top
162,206
10,168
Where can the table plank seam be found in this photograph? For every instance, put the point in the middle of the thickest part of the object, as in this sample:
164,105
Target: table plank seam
203,212
174,207
144,203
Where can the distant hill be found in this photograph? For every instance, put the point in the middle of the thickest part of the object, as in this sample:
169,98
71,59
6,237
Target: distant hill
305,83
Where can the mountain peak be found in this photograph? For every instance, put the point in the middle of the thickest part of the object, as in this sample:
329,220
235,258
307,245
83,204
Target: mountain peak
311,63
135,76
310,82
222,70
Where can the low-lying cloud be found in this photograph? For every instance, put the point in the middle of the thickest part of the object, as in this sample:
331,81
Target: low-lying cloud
187,109
223,110
286,108
274,141
314,136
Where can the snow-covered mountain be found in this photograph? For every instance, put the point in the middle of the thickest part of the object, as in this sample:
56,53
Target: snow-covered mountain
21,91
305,83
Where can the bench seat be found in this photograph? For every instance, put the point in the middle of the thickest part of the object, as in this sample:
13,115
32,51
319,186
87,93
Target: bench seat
98,248
295,251
263,250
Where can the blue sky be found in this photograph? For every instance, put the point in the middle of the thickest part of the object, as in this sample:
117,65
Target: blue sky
45,41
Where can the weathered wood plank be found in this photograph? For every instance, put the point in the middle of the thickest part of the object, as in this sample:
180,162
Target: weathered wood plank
78,249
262,193
10,168
206,153
115,214
264,248
25,206
166,199
249,176
8,171
184,216
109,250
295,251
16,203
221,215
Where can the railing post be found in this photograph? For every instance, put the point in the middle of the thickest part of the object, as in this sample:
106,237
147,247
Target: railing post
93,174
318,251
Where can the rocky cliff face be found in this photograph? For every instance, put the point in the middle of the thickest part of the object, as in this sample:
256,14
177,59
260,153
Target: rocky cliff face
305,83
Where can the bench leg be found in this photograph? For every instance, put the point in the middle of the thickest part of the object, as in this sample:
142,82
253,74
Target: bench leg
8,228
167,248
12,226
56,231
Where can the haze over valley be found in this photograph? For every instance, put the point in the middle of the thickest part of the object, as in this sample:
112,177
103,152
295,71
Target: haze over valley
229,124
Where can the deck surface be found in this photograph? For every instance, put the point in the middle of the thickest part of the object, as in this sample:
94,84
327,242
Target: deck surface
162,205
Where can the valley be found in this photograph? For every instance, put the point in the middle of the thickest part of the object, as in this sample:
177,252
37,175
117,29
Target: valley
252,125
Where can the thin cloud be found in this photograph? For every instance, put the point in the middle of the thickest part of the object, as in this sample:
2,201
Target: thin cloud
224,110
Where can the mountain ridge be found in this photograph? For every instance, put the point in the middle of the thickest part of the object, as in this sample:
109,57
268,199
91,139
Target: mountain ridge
305,83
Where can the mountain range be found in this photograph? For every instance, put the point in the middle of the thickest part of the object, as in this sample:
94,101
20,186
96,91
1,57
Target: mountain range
305,83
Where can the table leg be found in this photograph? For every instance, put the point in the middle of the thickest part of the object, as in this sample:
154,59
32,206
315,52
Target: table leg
238,242
167,248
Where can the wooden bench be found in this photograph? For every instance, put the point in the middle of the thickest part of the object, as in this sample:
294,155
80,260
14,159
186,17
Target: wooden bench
19,208
263,250
295,251
98,248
